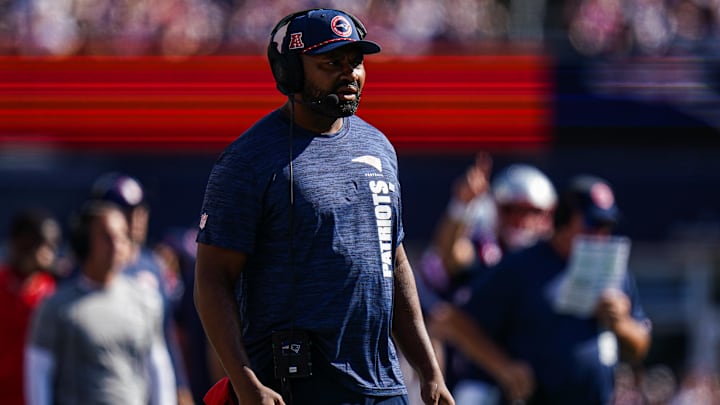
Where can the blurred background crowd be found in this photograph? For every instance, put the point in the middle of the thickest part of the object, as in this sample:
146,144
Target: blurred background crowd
659,51
613,28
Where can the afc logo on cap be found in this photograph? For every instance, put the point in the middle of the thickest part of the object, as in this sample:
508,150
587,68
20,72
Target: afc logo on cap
341,26
296,41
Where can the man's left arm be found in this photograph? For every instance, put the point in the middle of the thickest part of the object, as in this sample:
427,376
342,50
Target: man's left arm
411,334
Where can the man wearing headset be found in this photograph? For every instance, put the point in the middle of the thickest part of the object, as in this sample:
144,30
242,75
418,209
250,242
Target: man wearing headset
302,282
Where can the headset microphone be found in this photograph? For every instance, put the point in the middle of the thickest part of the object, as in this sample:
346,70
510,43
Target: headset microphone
330,99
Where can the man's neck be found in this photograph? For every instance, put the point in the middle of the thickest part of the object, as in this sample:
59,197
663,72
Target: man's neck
97,276
311,120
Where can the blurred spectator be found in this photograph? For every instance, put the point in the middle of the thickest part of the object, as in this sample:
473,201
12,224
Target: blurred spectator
195,27
144,265
483,221
25,280
535,351
99,339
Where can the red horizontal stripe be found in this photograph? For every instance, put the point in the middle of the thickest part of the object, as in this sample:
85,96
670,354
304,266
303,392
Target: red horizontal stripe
206,102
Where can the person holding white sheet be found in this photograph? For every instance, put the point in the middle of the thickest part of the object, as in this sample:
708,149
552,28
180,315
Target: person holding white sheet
537,354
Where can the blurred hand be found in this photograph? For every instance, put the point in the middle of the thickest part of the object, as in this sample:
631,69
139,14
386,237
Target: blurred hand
436,393
475,181
517,380
262,395
613,307
254,392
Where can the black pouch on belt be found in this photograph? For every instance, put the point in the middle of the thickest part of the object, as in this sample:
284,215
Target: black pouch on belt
291,354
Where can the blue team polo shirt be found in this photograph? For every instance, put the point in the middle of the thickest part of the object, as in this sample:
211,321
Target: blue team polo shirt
327,261
515,305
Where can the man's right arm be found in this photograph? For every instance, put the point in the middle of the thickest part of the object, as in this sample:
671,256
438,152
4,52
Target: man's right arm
216,273
451,239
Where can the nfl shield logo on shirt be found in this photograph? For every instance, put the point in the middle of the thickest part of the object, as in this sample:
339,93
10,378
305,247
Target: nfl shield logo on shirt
203,220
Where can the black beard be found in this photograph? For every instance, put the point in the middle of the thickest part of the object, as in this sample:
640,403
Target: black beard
348,108
342,109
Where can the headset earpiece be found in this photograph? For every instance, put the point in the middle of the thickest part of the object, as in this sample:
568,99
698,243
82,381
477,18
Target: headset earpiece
287,69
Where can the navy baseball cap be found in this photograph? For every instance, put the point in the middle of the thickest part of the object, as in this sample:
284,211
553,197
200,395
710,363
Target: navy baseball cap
323,30
596,199
120,189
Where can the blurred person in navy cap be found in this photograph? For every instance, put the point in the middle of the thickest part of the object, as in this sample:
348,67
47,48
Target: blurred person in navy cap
127,192
517,333
595,200
302,282
145,265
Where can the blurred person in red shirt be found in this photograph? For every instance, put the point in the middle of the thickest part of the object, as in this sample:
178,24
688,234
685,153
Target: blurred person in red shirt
26,278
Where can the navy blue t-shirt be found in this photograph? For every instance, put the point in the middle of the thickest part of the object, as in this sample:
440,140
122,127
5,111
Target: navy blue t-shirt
327,261
515,305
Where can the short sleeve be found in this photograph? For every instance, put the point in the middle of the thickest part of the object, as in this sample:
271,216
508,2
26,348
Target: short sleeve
231,205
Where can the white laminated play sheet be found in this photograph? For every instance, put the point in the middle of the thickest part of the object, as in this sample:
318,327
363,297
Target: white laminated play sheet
595,264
